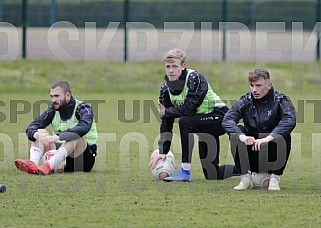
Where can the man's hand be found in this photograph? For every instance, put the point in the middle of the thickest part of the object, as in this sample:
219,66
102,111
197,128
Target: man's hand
41,137
248,140
52,138
152,164
161,110
256,143
263,141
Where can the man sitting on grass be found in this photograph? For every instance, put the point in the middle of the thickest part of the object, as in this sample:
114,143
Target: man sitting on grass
74,134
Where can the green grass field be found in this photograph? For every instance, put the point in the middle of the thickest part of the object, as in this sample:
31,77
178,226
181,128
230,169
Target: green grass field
120,191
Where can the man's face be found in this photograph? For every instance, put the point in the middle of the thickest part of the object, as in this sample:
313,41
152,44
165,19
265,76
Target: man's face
260,88
58,98
174,69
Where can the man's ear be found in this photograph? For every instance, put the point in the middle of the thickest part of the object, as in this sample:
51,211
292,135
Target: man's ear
270,85
68,95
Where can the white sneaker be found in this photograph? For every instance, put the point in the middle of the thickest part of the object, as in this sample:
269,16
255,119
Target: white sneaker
246,183
274,184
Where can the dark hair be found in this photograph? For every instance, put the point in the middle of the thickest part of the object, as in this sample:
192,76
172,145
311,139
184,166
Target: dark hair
258,73
62,84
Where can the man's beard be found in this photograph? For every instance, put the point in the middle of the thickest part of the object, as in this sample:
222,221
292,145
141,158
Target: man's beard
63,103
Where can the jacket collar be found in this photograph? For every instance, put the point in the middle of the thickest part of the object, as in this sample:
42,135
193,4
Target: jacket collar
177,85
266,98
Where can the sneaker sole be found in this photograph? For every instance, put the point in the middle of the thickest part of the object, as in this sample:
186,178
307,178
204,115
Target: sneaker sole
178,180
24,168
274,189
39,172
42,173
239,189
242,189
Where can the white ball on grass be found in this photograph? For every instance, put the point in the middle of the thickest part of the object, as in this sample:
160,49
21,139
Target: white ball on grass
164,167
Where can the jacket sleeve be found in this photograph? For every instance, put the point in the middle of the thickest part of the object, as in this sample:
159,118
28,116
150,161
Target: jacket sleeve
232,118
40,122
164,98
85,116
166,135
288,118
166,126
197,90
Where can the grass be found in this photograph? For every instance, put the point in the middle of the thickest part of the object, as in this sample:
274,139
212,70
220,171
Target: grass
120,191
92,76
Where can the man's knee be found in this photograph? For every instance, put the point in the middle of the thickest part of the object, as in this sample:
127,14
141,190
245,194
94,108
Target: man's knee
184,121
75,147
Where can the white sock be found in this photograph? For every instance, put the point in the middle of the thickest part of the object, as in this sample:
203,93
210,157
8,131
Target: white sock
186,166
35,154
59,156
278,177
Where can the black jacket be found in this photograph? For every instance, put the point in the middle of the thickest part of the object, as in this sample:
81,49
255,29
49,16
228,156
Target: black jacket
197,90
272,114
84,115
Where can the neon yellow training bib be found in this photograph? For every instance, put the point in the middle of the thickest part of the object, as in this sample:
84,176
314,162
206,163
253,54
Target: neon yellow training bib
210,101
60,125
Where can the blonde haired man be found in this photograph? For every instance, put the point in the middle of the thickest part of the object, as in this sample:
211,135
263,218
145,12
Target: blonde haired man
187,95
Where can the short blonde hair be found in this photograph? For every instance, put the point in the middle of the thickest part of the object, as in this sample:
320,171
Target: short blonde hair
174,54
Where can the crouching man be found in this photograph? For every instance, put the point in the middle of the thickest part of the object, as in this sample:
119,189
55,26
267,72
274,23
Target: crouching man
263,144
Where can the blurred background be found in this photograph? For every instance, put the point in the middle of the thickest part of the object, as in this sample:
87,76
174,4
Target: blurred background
139,30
